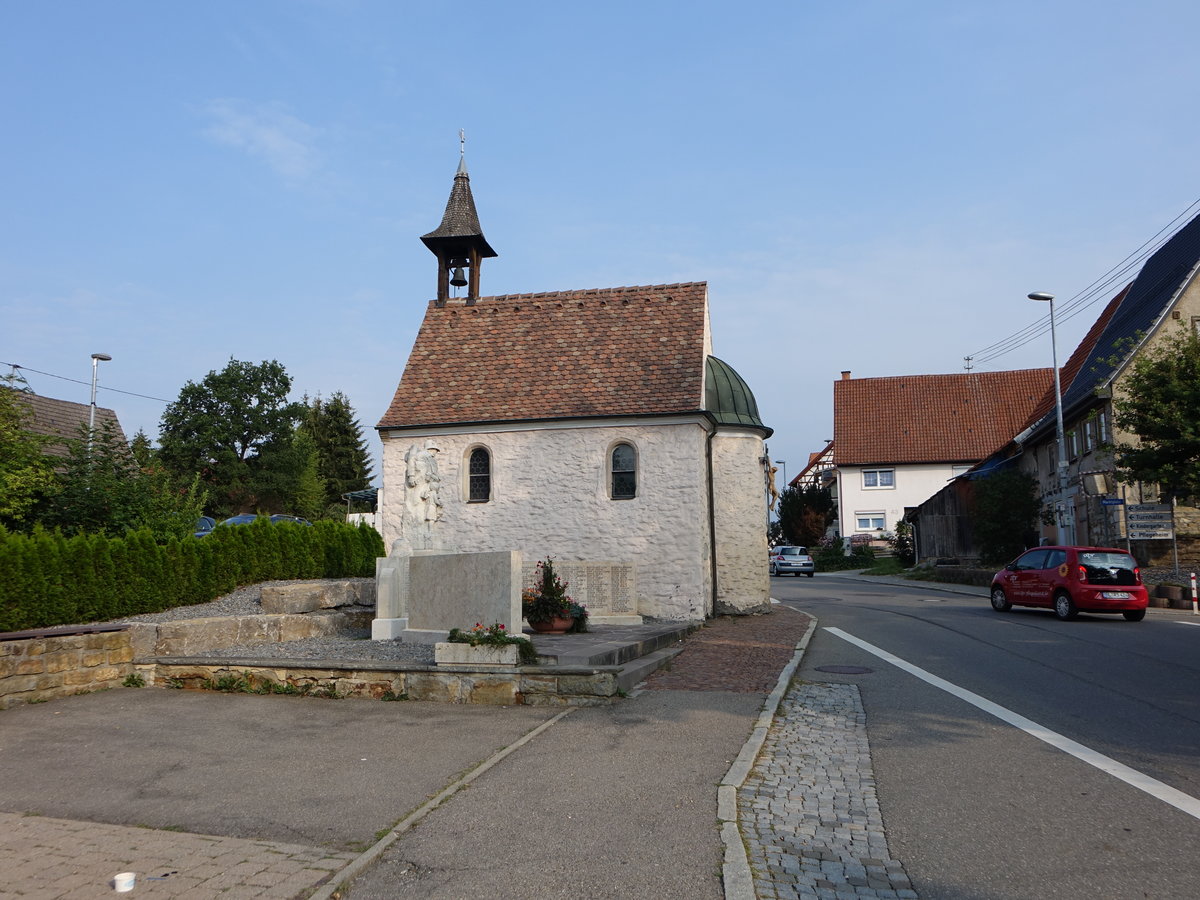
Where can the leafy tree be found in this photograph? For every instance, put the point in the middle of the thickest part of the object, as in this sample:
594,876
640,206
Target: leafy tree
234,429
805,514
103,490
1160,403
1006,509
344,461
26,474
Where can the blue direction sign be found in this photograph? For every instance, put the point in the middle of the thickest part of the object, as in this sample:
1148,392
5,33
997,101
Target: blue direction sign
1112,501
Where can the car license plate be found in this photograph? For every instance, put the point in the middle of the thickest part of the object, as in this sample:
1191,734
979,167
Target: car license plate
1115,595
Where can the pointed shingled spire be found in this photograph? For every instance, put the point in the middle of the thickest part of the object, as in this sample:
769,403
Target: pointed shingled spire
458,241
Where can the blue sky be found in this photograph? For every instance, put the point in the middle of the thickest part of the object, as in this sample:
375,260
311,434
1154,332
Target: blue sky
872,186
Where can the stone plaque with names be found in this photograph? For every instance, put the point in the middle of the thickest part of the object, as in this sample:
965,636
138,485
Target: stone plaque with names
605,588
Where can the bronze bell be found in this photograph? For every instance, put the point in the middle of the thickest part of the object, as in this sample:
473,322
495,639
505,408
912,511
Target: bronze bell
458,278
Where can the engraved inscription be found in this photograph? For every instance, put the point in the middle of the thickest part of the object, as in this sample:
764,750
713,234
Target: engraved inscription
605,588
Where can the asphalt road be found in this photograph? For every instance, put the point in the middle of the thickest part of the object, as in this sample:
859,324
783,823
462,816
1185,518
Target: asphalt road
978,808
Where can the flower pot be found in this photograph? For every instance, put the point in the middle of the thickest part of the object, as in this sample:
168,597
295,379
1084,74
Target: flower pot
557,625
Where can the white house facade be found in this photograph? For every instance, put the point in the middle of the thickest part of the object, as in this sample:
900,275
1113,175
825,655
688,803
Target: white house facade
873,498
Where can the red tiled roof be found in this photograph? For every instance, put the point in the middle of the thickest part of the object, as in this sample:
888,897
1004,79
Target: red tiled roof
607,352
61,419
932,418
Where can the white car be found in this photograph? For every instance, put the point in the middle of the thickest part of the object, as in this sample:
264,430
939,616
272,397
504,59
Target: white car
793,560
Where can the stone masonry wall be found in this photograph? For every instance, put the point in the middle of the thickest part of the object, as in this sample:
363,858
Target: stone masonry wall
740,505
37,669
550,497
42,668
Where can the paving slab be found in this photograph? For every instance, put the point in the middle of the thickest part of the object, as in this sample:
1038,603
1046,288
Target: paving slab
51,858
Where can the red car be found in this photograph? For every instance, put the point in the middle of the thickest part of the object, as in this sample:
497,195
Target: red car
1071,580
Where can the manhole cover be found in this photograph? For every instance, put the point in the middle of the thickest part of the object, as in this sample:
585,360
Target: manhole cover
845,670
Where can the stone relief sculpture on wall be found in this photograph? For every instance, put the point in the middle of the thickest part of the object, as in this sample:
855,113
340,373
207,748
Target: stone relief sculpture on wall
422,496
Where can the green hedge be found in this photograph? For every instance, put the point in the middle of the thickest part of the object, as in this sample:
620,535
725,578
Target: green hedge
835,559
47,579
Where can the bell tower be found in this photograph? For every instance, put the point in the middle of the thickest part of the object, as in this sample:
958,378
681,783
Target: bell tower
458,243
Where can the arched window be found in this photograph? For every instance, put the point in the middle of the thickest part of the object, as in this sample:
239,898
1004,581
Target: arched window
624,472
479,476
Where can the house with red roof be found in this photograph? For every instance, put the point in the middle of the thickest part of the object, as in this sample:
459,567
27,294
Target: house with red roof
899,440
1088,505
580,425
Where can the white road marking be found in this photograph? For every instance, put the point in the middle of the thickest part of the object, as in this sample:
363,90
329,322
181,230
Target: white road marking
1164,792
1187,623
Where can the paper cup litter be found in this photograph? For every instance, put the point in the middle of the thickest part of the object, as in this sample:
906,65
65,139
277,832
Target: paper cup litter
123,881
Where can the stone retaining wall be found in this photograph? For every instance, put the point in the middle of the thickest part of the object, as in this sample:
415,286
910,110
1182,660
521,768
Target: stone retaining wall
191,637
170,654
37,669
531,686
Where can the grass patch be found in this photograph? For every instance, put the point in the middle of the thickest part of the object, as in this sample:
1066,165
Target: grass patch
887,565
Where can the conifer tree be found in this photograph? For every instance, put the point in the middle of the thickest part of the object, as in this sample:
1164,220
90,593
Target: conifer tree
310,498
345,462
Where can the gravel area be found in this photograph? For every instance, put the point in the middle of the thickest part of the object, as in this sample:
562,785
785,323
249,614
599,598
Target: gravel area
355,644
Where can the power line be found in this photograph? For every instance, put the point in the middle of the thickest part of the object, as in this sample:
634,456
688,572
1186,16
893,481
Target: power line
1097,290
99,386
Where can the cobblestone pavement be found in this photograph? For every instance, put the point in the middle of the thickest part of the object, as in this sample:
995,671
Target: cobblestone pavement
808,811
47,859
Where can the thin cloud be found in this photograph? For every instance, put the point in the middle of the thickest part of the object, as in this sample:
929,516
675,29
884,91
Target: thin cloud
279,139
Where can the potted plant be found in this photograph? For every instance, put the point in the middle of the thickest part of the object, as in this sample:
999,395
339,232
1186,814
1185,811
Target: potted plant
489,645
547,607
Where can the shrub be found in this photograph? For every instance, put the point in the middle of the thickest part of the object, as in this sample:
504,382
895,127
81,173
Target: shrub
833,558
47,579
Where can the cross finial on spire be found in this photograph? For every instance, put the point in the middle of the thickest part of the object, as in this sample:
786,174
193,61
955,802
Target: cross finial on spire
462,144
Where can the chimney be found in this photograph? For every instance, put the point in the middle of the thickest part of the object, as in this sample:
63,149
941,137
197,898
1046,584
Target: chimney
845,374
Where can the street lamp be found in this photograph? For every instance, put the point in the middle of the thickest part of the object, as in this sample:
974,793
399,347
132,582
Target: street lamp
1066,517
97,358
783,463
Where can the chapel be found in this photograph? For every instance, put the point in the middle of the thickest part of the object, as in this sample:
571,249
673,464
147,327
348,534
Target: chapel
581,426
